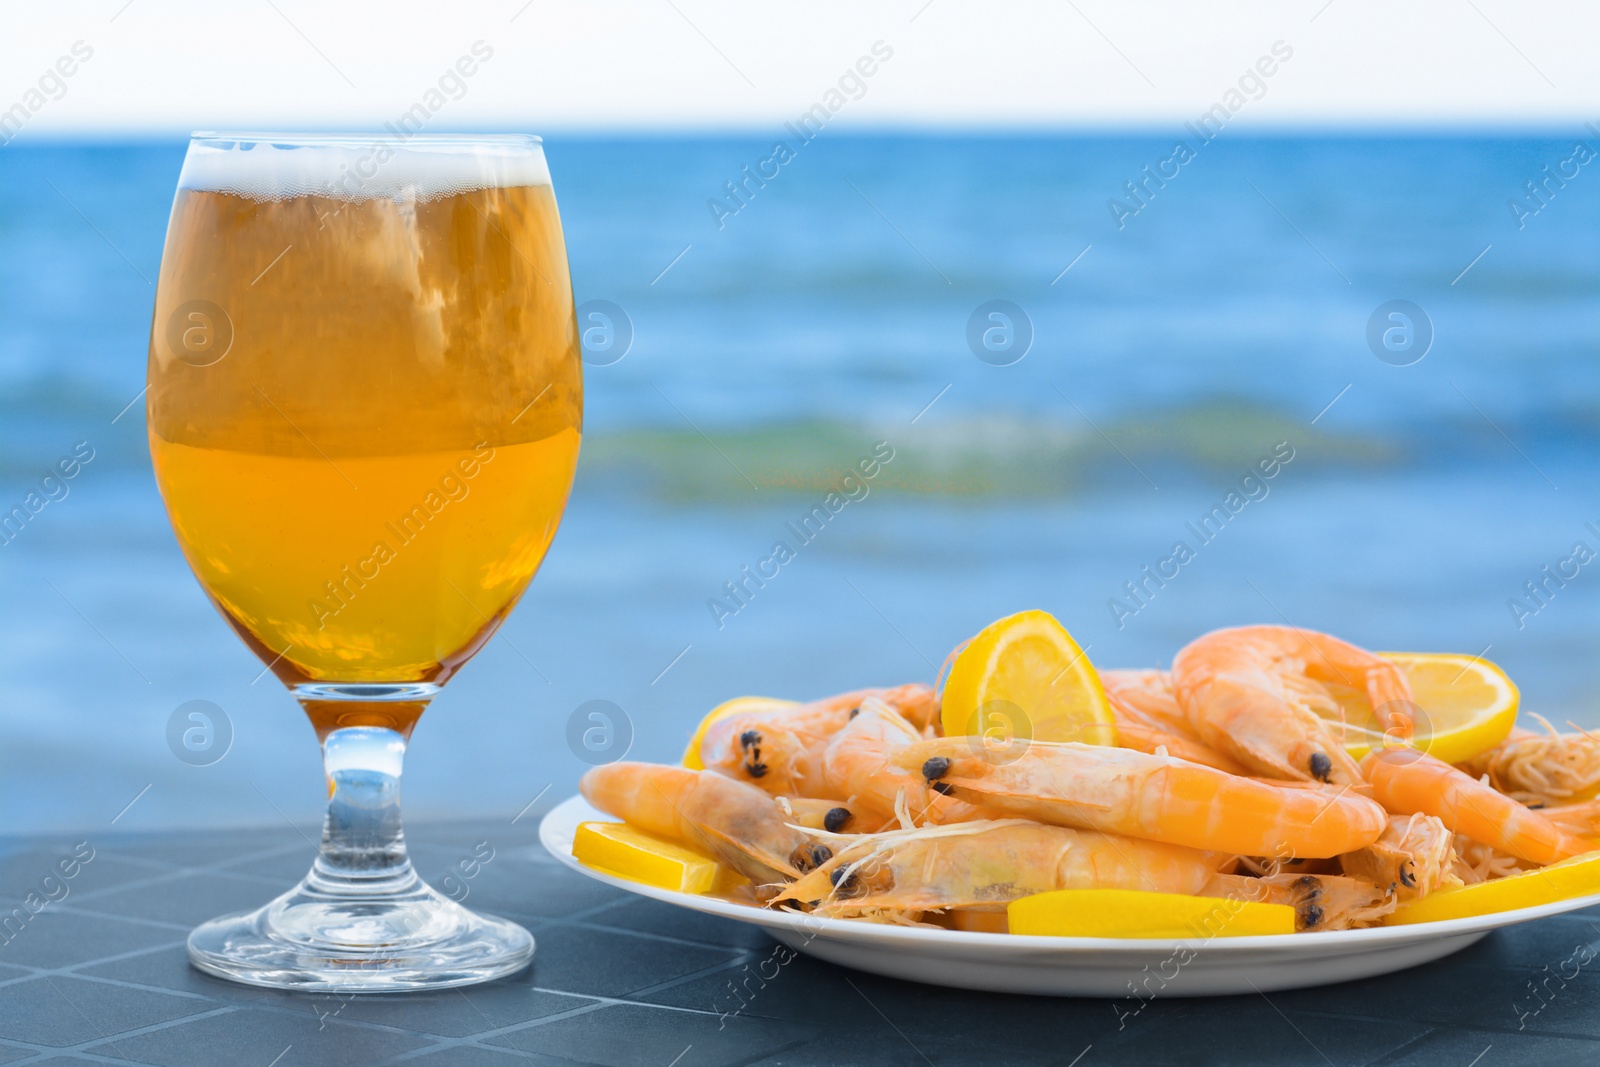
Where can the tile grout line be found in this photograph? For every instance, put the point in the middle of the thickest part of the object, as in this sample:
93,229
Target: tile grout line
137,920
174,875
647,935
70,971
138,1031
600,1002
582,1009
685,979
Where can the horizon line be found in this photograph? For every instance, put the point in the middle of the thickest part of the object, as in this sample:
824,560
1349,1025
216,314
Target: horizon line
1441,128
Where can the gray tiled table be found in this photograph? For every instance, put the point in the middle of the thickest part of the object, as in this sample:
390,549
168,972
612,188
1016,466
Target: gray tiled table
100,977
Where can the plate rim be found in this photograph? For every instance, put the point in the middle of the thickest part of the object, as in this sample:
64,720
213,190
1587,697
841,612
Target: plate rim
555,835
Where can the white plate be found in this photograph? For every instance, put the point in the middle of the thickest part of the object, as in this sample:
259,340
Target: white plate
1079,966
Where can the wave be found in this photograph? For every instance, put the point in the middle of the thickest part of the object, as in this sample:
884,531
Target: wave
989,456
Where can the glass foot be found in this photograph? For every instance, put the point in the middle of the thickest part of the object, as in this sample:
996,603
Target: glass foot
314,939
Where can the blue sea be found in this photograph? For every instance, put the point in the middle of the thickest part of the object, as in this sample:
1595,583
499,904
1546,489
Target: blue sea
1232,313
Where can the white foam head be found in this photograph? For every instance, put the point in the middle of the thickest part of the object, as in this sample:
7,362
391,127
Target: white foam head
359,167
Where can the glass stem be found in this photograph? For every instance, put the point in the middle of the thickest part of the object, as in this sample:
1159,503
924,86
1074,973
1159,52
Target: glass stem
363,846
364,729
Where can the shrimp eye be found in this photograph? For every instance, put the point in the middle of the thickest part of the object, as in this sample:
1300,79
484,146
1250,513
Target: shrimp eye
1321,766
749,737
835,819
1406,878
935,768
756,770
854,712
1310,917
810,857
844,884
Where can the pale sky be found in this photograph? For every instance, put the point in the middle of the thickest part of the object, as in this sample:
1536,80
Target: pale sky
168,66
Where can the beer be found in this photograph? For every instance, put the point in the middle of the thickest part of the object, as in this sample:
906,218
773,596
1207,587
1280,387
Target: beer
365,403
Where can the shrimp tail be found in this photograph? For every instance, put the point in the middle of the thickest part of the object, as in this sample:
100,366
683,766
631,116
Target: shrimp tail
1406,781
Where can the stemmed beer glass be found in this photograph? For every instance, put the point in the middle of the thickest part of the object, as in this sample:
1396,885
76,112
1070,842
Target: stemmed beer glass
365,402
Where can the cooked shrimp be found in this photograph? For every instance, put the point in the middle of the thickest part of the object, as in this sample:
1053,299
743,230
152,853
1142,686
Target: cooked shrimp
1250,691
1542,768
735,822
1160,798
781,750
859,767
1406,781
1149,719
892,876
1412,858
1320,901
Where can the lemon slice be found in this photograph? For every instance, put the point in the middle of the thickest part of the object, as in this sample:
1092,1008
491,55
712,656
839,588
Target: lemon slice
628,852
1575,877
1025,677
736,706
1467,706
1135,913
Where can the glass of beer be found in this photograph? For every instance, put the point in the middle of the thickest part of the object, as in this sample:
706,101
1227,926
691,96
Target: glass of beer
365,401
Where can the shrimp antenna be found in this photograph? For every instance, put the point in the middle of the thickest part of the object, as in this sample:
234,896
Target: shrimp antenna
949,661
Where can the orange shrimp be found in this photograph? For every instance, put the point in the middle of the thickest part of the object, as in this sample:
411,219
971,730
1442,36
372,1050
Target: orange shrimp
1250,691
895,875
781,750
735,822
858,766
1148,719
1406,781
1160,798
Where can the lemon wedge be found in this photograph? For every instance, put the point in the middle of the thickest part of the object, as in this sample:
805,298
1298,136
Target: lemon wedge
628,852
1024,677
1575,877
1135,913
1467,706
736,706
